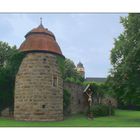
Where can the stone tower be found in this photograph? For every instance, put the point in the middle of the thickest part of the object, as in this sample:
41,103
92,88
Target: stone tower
80,69
39,83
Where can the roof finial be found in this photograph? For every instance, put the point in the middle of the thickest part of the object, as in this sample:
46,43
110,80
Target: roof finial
41,20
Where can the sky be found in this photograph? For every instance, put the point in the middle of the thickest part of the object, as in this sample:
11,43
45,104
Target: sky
83,37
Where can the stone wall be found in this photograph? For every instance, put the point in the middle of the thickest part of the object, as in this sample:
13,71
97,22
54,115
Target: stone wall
77,98
39,89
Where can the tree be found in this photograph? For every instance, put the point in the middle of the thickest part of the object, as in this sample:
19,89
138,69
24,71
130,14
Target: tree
5,53
70,72
125,75
9,64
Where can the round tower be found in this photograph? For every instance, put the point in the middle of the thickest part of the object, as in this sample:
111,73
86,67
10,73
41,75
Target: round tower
80,69
39,83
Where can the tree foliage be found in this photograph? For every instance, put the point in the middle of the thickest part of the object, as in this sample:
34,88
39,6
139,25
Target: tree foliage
10,59
125,59
70,72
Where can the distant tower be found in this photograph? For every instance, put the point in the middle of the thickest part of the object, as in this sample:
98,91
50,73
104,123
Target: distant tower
39,83
80,69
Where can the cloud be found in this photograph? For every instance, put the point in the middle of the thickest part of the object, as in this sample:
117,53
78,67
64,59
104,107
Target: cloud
82,37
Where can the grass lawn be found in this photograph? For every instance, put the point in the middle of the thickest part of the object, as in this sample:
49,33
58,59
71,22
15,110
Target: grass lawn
122,118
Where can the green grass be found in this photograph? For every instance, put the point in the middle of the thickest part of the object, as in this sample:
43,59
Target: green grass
122,118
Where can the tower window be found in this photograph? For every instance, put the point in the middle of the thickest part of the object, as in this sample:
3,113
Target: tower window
54,81
43,106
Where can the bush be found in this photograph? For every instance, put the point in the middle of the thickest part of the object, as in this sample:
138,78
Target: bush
101,110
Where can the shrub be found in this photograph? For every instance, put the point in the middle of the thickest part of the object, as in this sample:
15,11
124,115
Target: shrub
101,110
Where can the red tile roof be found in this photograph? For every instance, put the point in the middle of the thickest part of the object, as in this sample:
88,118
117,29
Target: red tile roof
40,39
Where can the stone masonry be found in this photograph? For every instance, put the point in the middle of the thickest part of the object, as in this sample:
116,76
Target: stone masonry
77,100
39,89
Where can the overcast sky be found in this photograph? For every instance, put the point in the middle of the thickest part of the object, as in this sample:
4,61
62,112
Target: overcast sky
82,37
